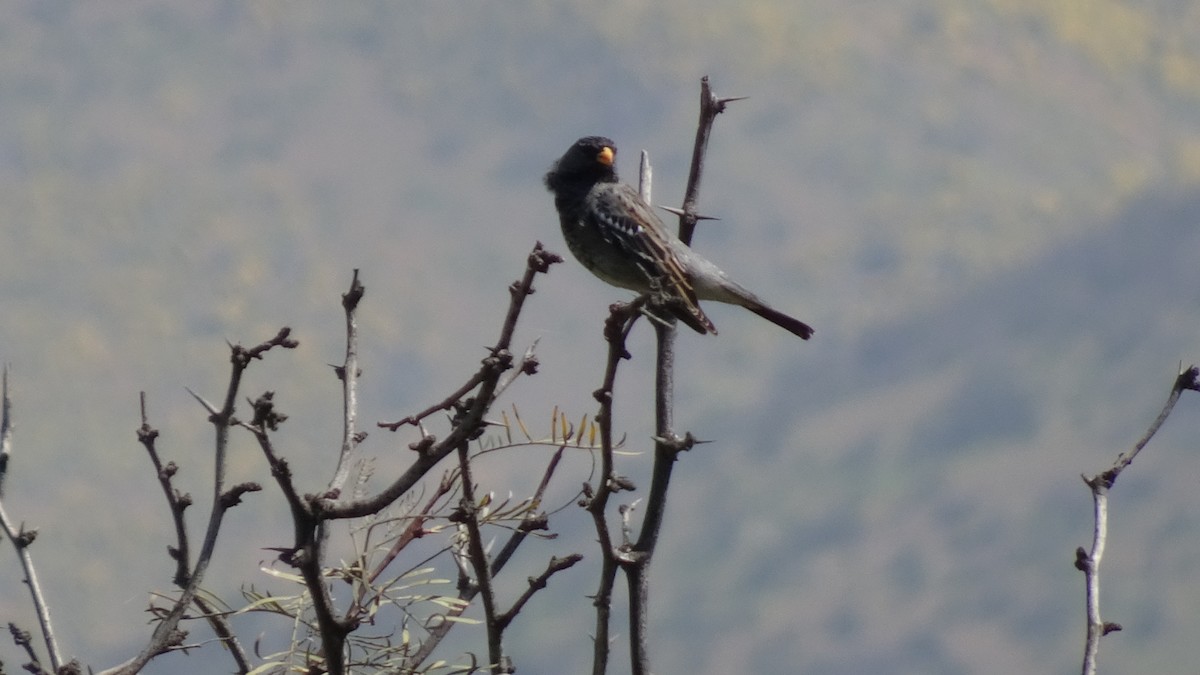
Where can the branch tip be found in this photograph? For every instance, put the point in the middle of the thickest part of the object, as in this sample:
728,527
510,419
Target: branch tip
1190,378
351,298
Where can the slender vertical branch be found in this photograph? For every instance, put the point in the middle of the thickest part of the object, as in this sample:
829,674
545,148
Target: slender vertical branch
348,374
468,515
645,178
710,107
178,503
1088,562
21,538
167,634
667,444
6,432
620,321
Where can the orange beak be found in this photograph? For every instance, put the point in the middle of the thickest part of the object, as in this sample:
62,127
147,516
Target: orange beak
605,156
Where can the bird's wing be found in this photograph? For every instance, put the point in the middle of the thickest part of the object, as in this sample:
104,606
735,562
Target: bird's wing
628,222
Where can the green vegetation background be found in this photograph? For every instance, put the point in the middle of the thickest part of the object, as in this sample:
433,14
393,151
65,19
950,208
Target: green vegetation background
987,210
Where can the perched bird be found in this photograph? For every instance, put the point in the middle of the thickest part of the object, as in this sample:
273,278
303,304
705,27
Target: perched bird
616,235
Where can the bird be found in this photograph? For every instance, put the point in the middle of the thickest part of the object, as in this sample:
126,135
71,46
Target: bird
617,236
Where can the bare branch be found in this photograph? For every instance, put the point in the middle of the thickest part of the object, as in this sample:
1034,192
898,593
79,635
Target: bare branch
6,432
21,538
537,583
468,593
177,502
306,552
710,107
1088,562
617,326
468,422
348,373
1186,380
166,634
468,514
667,444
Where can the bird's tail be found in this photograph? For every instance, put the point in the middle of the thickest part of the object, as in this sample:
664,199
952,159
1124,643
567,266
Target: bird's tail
712,284
792,325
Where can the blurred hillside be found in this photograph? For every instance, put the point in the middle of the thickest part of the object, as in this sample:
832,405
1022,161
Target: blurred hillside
988,212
